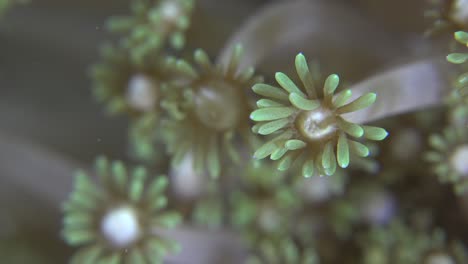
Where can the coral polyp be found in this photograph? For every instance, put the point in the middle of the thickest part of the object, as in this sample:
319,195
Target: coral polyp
215,111
449,156
152,25
310,128
126,87
447,15
118,221
262,211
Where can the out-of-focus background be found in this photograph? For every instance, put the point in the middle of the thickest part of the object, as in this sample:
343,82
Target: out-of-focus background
49,123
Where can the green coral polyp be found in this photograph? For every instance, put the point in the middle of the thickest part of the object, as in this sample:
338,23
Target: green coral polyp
152,25
214,111
121,213
310,128
125,87
449,155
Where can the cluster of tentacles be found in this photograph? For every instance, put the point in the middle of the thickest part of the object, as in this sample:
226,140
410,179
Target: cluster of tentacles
309,127
202,117
117,221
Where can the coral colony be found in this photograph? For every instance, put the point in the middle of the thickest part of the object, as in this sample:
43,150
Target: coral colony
277,158
326,187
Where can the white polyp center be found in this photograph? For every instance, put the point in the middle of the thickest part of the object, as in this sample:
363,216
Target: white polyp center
170,11
459,160
440,258
186,183
141,93
459,12
316,125
120,227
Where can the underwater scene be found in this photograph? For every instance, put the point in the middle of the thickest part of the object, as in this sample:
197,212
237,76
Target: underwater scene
234,131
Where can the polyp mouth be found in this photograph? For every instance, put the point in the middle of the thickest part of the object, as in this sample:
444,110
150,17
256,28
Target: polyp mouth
316,125
218,105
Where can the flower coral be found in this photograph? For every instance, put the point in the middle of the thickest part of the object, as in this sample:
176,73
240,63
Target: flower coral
449,156
128,87
447,14
308,126
118,222
152,25
214,112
